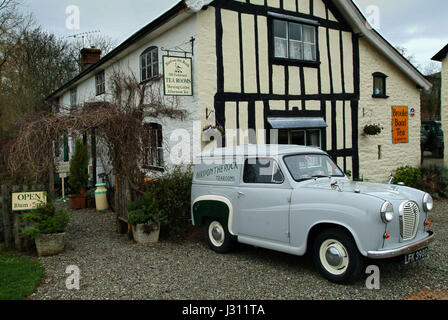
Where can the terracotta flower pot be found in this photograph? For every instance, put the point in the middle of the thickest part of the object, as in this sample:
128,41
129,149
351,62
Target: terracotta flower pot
77,201
50,244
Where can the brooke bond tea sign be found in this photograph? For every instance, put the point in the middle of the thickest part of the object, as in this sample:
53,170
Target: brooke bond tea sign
400,124
177,76
26,201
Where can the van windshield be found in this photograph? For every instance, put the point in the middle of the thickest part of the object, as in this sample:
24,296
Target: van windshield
304,167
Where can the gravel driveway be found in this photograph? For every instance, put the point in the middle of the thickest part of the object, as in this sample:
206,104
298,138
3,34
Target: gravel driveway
113,267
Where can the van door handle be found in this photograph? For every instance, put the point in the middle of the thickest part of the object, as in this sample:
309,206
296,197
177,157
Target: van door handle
240,194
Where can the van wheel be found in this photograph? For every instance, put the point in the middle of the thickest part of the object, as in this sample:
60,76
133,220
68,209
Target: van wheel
336,256
217,236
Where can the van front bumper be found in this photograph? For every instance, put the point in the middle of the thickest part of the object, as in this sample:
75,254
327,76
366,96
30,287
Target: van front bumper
385,254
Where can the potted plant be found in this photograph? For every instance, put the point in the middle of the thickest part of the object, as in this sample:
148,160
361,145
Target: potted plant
210,132
372,129
46,225
79,176
145,218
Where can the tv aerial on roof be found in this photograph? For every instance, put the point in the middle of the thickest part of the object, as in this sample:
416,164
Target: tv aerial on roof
83,35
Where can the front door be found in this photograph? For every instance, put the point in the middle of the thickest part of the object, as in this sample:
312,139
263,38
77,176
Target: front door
263,201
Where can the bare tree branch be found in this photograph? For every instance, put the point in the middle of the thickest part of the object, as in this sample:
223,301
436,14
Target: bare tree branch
120,124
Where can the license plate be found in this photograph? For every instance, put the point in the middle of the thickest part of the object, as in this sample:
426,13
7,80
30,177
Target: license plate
415,256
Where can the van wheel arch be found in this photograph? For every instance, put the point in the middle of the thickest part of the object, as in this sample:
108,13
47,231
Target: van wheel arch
319,228
209,207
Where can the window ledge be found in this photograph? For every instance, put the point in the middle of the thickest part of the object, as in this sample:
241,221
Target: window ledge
148,167
155,78
380,96
294,62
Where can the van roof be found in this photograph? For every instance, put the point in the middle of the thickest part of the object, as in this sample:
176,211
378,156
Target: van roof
258,150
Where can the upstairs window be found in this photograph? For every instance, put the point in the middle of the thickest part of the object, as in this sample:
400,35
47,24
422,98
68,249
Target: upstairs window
294,41
100,83
379,85
73,97
149,64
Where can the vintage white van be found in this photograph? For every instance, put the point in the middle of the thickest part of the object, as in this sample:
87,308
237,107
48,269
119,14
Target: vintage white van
295,199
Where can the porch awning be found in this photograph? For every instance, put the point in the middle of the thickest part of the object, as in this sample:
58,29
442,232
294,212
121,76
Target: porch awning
297,123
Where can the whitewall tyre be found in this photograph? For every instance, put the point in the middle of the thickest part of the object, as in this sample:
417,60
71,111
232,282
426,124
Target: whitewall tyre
336,256
217,236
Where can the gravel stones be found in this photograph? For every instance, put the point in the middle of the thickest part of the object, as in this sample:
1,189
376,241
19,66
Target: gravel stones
114,267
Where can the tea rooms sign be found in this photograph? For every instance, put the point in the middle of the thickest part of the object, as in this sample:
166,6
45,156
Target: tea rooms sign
26,201
177,76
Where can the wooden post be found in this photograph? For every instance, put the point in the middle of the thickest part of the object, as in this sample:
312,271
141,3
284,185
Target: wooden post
2,213
94,156
23,243
63,188
15,219
122,197
7,225
51,190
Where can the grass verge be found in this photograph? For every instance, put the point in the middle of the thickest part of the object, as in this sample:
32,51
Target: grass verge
19,276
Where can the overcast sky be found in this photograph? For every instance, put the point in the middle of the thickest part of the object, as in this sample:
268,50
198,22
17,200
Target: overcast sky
418,25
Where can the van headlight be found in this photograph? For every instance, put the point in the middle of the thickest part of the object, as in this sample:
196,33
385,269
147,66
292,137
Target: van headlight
387,212
428,202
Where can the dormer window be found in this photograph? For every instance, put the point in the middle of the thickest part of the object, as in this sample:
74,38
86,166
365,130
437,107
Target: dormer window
149,64
379,85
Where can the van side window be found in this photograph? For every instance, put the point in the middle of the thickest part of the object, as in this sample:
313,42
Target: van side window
259,170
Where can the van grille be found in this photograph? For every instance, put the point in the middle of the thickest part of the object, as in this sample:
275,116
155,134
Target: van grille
409,219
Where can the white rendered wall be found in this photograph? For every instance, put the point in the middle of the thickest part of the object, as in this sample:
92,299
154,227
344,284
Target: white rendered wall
402,92
444,106
179,36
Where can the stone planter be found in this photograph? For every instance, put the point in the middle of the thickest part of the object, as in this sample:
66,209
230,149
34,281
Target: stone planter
141,236
50,244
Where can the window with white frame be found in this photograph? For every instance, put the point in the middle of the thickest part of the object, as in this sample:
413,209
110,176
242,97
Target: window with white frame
294,41
149,64
100,83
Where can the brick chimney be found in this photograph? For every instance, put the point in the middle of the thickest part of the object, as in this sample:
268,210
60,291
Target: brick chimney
89,56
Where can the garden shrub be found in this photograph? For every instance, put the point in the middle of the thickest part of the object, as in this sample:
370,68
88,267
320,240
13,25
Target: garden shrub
410,176
79,163
45,219
434,180
145,210
173,192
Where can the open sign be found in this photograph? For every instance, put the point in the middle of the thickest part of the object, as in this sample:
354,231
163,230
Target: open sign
26,201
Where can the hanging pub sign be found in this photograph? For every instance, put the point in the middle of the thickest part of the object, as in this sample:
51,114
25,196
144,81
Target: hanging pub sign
26,201
400,124
177,76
